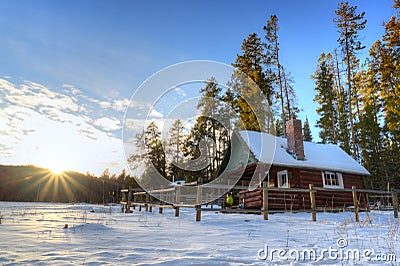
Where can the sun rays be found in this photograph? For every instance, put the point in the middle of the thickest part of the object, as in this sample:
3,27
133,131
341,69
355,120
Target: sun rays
57,185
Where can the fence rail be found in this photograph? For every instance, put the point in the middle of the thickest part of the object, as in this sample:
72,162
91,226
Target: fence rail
172,198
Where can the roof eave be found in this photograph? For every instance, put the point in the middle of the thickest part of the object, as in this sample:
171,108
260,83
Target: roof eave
346,171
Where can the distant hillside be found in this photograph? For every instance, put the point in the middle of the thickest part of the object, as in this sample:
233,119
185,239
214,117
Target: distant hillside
30,183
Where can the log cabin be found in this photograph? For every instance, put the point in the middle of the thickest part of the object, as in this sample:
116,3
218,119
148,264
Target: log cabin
293,163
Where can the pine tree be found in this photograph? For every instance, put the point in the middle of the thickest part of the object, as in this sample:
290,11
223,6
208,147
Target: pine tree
389,53
307,136
384,62
349,23
228,117
174,150
326,98
341,134
209,105
253,115
378,126
122,176
291,107
228,111
192,152
105,174
212,130
155,148
279,128
370,136
272,57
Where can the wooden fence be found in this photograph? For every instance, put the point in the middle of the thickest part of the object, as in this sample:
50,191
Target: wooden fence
172,198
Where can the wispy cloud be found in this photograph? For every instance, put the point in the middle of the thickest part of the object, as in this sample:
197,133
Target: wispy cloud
108,123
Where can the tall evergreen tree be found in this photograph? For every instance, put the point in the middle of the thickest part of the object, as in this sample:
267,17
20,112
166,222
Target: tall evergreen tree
251,62
212,128
278,128
342,133
175,149
370,137
192,152
273,59
209,105
307,136
389,53
155,147
149,151
326,98
384,61
349,23
291,106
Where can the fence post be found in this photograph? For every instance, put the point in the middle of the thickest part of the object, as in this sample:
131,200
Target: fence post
150,203
177,194
355,202
140,202
312,201
147,202
198,204
395,205
177,200
265,200
133,198
367,198
160,209
128,207
123,199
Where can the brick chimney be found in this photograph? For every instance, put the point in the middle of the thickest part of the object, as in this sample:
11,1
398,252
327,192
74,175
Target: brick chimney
294,135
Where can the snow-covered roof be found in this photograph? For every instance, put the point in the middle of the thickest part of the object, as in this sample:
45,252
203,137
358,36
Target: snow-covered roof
318,156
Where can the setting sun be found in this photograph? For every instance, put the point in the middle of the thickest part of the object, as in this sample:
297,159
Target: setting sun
55,155
57,169
57,165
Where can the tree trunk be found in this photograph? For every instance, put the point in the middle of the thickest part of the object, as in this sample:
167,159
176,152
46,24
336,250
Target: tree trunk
353,137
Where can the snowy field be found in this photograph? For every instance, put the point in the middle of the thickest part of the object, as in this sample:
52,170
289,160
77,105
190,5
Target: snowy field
34,233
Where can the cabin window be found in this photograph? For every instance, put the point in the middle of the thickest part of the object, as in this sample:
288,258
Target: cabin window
332,179
283,179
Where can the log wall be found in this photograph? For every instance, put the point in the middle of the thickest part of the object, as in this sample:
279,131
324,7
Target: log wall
302,178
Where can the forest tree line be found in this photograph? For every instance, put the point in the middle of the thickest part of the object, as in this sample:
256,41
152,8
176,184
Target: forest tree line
31,183
359,101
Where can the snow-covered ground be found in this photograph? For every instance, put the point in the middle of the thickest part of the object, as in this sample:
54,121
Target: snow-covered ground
34,233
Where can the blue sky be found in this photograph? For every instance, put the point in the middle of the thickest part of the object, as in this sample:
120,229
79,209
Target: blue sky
106,49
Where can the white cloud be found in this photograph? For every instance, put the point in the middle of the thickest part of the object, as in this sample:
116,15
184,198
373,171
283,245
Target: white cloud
104,105
120,104
71,89
180,92
108,123
33,95
155,114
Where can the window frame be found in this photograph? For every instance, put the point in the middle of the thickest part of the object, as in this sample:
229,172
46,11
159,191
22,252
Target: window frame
338,176
278,177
